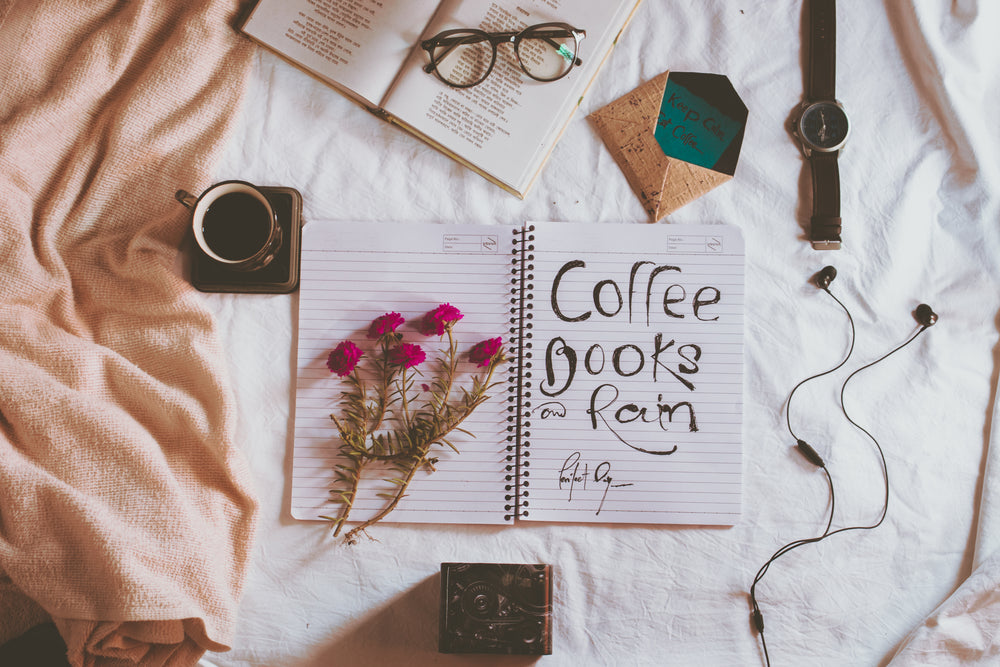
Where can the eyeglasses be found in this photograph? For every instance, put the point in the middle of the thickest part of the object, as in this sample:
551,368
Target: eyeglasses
464,57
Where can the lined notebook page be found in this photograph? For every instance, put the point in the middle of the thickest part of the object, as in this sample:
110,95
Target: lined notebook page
636,388
354,272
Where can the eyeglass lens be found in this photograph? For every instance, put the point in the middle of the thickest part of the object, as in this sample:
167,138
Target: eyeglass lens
465,58
546,53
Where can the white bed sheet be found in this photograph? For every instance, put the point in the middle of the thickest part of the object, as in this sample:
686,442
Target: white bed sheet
921,208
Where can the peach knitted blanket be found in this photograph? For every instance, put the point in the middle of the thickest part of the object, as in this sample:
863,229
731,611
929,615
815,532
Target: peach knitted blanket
125,511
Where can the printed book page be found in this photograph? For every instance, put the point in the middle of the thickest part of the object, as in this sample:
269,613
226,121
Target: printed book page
354,272
507,125
357,46
636,395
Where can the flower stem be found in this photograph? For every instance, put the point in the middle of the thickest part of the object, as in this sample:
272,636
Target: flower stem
418,459
347,447
349,502
450,367
404,400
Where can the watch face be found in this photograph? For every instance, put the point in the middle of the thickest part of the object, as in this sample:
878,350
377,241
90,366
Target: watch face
824,126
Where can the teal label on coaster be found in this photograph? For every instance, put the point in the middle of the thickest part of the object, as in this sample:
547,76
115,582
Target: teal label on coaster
691,129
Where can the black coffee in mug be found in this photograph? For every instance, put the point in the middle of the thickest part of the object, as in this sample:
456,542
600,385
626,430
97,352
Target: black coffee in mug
236,226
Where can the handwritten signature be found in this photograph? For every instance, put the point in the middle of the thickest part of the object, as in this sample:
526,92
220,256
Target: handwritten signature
575,471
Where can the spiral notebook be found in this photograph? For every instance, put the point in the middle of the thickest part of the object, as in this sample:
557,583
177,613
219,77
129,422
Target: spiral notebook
622,397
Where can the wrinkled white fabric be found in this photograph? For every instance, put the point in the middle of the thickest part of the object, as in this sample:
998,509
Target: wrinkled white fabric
921,207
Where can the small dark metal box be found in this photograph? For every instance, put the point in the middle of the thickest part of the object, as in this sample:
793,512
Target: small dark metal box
497,608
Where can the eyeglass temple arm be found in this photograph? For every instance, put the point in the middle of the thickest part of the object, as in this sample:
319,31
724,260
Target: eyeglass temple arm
429,44
559,47
577,35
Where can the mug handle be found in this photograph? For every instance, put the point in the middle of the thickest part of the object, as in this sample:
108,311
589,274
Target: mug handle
186,198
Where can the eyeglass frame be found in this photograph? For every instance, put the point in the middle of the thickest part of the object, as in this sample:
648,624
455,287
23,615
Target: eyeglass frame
495,39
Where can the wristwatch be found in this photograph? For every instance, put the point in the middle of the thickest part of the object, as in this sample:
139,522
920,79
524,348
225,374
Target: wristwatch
821,125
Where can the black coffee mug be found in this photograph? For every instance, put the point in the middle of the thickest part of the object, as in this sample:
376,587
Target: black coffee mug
234,225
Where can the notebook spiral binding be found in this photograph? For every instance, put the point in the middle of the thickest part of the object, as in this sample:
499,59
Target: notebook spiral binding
519,379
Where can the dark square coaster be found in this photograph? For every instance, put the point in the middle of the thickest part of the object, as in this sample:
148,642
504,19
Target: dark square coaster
498,608
280,276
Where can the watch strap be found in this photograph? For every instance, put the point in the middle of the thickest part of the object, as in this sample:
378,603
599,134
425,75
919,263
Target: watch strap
822,84
824,232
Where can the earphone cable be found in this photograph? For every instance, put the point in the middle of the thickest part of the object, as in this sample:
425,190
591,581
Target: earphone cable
791,546
757,615
850,351
878,447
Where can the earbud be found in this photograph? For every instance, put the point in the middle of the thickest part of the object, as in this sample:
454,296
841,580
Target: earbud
825,277
925,315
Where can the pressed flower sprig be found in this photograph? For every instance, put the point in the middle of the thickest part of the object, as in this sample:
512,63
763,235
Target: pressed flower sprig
385,420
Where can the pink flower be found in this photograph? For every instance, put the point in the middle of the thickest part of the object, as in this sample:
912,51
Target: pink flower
440,319
483,353
406,355
385,324
343,358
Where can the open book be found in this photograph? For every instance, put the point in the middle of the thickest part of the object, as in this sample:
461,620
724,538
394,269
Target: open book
623,397
504,128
